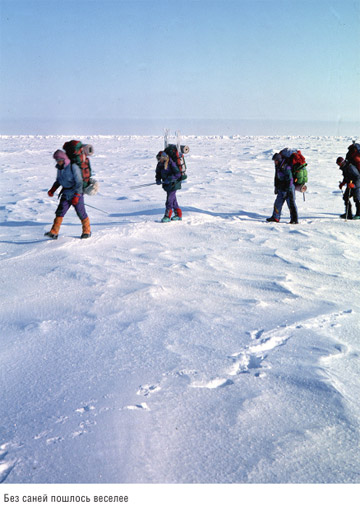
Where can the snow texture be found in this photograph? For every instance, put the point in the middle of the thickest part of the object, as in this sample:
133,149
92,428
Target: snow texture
219,349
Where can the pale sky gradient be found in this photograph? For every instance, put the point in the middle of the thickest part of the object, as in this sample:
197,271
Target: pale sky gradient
63,60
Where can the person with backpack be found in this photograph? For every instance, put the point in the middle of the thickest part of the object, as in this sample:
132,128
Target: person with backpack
353,155
351,178
169,175
68,176
284,189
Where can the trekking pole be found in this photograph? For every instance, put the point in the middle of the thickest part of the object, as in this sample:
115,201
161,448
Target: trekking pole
87,205
143,185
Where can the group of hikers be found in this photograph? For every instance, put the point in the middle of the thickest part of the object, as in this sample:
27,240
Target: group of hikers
286,182
74,176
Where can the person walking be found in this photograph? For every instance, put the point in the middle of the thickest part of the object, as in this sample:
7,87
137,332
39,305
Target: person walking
70,178
351,178
169,175
284,189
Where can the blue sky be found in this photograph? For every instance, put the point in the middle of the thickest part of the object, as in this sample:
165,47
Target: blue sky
189,59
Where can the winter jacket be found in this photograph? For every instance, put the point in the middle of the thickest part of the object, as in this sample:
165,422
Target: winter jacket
169,175
283,177
352,174
70,178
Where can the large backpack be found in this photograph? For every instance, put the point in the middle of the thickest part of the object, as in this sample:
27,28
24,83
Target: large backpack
78,153
177,155
298,166
353,154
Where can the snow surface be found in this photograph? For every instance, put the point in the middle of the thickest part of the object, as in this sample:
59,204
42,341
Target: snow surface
219,349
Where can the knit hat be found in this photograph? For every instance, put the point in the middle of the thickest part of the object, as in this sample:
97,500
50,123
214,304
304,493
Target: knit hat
340,161
59,154
277,157
162,156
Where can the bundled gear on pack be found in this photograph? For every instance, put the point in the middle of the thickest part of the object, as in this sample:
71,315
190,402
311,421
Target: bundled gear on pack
298,167
79,153
177,157
353,154
177,153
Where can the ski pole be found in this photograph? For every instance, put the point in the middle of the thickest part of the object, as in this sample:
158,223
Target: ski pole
87,205
143,185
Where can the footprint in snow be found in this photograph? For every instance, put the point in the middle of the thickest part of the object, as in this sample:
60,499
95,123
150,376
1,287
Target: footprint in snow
85,409
51,436
254,356
147,389
244,362
62,419
218,382
138,407
84,428
53,440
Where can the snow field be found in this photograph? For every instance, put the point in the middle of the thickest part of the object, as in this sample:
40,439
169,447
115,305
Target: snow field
219,349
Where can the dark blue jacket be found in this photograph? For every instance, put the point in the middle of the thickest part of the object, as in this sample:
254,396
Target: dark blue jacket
352,174
169,175
283,176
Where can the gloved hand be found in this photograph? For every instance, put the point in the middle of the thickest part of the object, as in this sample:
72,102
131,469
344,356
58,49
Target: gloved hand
341,184
158,182
351,185
52,190
75,199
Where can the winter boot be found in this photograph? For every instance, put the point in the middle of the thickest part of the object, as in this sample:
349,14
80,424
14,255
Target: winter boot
167,216
357,214
177,216
54,232
86,232
272,219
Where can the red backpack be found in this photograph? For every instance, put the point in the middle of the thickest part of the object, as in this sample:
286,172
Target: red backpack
178,157
78,153
297,159
353,155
